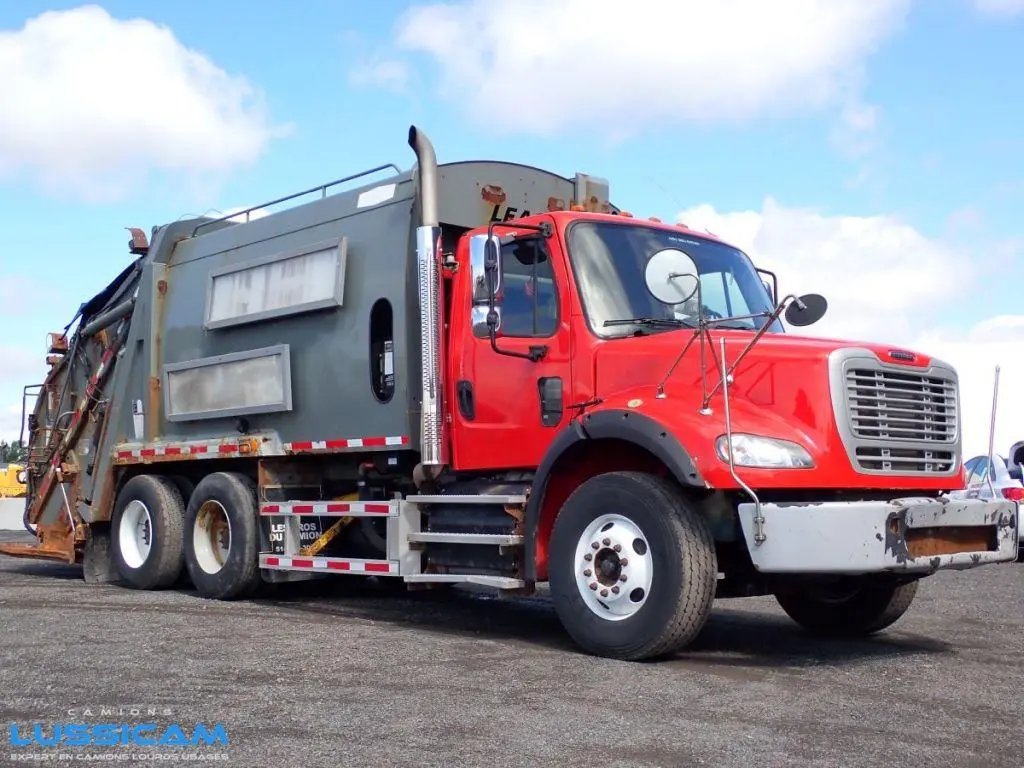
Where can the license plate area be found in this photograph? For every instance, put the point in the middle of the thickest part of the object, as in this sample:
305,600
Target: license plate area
951,540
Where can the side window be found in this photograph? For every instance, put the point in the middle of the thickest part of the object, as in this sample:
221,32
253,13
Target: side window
529,303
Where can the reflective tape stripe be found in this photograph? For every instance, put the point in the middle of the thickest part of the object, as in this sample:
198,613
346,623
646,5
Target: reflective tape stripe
331,508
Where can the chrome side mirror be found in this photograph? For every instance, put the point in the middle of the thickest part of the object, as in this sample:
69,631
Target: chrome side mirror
485,268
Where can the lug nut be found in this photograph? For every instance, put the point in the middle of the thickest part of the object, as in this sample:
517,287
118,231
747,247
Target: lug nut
604,593
588,557
617,547
595,545
624,562
587,572
593,585
622,577
606,541
615,589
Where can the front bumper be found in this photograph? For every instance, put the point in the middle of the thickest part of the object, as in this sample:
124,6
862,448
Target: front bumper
914,535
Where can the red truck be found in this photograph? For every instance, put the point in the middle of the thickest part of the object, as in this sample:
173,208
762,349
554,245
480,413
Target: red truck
486,373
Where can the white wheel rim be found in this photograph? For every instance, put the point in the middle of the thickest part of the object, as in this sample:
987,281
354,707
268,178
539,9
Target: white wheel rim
211,537
613,567
135,534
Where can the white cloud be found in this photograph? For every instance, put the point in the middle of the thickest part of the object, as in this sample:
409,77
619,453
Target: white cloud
388,74
855,132
610,69
1000,7
18,293
887,282
89,104
21,365
10,427
878,273
968,218
975,355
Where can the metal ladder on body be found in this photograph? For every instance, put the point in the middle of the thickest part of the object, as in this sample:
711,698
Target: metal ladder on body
405,538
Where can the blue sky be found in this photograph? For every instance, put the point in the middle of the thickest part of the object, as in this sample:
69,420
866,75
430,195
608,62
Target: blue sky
870,150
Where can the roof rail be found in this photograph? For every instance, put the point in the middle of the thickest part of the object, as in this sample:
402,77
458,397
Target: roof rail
322,189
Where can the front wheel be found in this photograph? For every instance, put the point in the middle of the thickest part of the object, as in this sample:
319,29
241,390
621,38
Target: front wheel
852,609
632,567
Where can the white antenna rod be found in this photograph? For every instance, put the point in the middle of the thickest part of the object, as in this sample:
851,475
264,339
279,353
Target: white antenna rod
992,435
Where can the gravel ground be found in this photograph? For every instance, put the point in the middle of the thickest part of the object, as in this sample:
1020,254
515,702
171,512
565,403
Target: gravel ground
305,677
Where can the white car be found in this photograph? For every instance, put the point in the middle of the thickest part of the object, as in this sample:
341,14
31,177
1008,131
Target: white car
1007,482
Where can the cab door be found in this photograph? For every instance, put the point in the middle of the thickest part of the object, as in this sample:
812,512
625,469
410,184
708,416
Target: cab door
506,407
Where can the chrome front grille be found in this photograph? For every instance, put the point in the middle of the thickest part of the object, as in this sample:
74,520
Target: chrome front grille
896,420
904,460
886,405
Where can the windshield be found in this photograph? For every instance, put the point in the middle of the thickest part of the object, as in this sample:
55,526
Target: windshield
609,259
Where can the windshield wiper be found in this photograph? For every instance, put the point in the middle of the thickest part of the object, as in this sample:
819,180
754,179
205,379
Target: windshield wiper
662,322
734,326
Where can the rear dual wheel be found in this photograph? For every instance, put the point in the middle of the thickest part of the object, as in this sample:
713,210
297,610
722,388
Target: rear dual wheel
222,540
632,566
155,540
146,532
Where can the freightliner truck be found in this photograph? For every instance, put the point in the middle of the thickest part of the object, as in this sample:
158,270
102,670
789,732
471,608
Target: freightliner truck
486,373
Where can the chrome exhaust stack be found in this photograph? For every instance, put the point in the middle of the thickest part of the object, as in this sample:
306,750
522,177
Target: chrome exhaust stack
428,270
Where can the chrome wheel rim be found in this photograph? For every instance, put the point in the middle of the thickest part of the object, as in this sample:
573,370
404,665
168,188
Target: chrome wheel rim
613,567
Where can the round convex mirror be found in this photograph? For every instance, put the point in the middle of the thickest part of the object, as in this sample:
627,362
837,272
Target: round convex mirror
671,276
814,308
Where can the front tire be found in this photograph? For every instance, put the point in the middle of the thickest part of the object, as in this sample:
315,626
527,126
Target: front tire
146,532
851,610
645,590
222,540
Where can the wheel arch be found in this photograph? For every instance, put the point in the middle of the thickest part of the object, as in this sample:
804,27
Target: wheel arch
599,442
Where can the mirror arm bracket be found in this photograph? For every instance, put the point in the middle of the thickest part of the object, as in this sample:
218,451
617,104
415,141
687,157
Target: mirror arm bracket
536,353
771,318
544,228
775,282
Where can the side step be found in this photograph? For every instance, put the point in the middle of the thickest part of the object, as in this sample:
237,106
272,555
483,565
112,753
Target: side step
405,540
467,499
498,539
501,582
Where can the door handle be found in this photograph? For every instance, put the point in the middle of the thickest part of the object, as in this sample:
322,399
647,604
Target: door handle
464,392
550,390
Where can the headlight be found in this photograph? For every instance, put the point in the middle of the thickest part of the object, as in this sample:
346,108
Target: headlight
21,477
764,452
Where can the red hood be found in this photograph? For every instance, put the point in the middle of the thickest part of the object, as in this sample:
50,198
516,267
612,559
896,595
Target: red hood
781,390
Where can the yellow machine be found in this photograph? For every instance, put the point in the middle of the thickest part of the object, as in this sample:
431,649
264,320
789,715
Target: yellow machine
12,481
